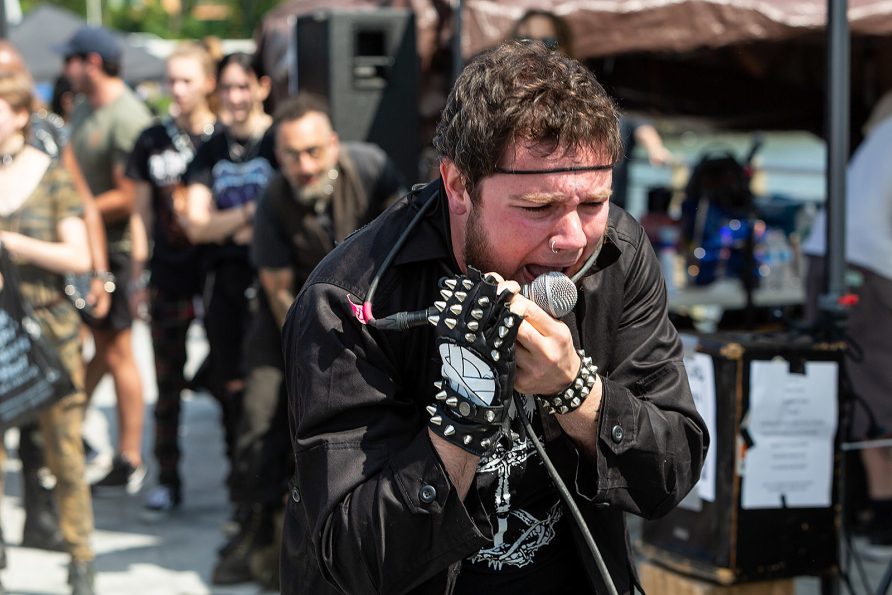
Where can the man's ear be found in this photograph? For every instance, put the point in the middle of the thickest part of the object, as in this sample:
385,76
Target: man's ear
93,61
454,182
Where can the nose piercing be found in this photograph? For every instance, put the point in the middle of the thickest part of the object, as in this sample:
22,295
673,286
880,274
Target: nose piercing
553,249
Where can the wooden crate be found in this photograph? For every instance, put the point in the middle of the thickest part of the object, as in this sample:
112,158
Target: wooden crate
657,580
720,540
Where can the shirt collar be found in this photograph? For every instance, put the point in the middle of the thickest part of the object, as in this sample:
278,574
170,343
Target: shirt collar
431,239
610,251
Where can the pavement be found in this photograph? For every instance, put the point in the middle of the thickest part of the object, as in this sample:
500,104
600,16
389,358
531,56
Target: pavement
175,555
135,555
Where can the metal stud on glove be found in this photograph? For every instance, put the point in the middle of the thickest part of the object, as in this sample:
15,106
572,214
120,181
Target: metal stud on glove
572,397
476,334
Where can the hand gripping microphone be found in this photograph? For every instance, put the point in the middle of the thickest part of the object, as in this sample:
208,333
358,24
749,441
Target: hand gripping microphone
554,292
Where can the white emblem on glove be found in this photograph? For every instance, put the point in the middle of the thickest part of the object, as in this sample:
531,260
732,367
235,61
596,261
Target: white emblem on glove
468,374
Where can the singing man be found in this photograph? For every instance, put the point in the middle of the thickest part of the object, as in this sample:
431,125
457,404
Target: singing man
415,472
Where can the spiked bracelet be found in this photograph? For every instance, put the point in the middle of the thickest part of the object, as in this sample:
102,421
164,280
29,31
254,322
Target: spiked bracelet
471,426
467,410
476,438
572,397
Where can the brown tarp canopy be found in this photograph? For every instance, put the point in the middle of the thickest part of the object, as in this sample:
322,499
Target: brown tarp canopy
737,63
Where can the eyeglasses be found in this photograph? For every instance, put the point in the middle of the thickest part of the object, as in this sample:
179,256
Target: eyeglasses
551,43
314,152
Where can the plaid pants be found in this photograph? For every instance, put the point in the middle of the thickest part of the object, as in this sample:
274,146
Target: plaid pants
171,317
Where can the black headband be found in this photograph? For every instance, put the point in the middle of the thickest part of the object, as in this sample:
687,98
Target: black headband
556,170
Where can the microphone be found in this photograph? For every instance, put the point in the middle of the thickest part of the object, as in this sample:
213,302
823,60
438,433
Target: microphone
554,292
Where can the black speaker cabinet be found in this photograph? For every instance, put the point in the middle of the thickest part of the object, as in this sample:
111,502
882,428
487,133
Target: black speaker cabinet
761,518
365,64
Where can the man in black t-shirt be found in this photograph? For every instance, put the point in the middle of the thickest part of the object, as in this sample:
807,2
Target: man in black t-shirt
324,191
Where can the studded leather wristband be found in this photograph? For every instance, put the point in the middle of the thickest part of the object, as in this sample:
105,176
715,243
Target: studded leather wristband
572,397
476,438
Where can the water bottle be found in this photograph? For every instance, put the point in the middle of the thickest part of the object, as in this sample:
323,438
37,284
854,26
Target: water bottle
667,250
777,263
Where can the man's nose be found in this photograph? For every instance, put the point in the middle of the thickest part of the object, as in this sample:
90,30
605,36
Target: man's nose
306,163
569,234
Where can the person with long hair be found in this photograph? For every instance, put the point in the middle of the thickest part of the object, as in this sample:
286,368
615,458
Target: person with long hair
223,184
542,25
159,158
48,132
42,228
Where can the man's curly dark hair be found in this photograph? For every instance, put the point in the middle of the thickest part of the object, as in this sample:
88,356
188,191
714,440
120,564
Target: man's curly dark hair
521,91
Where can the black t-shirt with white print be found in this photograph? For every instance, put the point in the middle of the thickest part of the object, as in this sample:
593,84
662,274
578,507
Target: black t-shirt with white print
532,550
177,264
236,170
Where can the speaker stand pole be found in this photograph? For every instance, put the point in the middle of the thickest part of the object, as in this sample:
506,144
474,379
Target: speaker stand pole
838,51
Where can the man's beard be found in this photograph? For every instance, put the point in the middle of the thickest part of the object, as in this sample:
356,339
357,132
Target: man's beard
477,250
311,194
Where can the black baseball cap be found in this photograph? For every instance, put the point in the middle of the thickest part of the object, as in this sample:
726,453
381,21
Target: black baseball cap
93,40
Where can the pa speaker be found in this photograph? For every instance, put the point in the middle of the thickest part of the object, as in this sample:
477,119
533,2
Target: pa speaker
365,64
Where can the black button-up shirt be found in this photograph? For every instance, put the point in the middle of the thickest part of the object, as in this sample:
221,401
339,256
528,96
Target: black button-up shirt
378,513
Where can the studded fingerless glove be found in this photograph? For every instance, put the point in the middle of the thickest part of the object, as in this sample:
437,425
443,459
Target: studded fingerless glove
476,335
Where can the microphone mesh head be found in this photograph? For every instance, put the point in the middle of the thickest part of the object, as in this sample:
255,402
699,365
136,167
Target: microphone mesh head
554,292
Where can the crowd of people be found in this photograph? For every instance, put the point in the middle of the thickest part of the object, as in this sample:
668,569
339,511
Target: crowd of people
217,211
338,449
372,461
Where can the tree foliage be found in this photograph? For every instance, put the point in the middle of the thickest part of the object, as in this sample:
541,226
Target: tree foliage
148,16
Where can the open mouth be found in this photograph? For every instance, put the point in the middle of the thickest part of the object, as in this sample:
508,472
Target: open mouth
531,271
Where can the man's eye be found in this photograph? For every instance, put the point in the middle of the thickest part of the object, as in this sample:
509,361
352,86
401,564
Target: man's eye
536,209
592,205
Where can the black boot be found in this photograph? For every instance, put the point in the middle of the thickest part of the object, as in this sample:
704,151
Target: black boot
234,564
81,577
41,517
265,558
2,555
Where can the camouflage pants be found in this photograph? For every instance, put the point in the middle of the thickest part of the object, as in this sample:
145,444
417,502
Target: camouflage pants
60,425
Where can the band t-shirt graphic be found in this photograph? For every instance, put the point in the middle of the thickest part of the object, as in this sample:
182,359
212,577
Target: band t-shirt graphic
236,170
532,550
236,184
176,263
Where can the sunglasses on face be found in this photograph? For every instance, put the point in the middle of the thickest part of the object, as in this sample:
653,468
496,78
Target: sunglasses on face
549,42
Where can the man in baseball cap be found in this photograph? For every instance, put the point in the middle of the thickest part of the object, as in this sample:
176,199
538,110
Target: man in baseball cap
103,129
93,40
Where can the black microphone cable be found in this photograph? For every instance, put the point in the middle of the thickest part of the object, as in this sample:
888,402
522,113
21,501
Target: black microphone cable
566,496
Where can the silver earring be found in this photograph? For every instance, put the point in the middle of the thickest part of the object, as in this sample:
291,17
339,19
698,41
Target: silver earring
553,249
